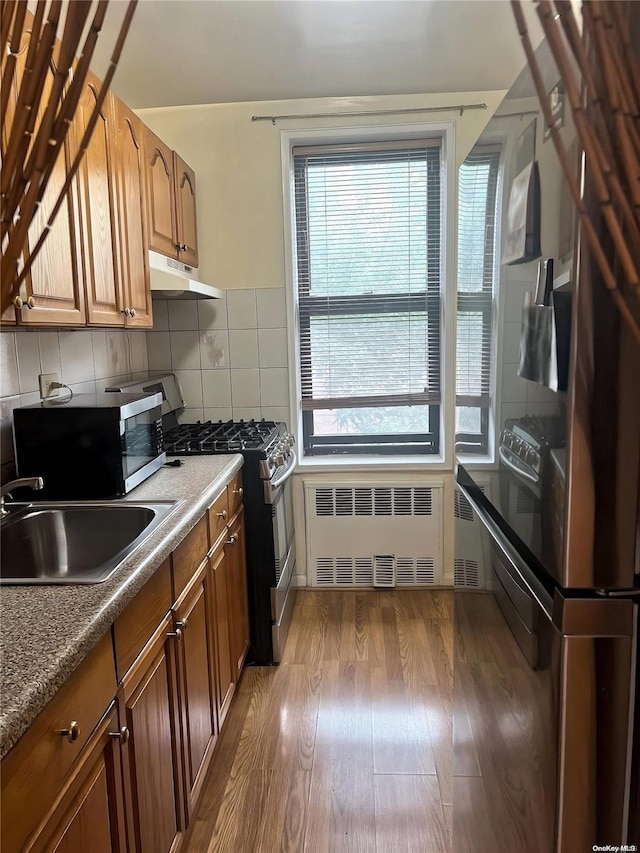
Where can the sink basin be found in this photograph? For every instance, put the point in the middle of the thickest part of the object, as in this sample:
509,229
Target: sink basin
73,543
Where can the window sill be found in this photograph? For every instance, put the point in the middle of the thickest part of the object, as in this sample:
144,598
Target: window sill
323,465
471,461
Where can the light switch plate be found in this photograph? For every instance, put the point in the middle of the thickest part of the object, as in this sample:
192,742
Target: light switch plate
47,380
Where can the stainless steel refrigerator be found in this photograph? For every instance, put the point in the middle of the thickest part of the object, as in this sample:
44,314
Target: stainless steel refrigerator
546,708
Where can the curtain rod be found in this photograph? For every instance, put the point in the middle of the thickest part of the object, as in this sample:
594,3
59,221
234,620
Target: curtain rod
520,113
450,108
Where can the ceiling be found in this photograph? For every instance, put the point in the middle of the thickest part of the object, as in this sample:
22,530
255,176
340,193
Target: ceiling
217,51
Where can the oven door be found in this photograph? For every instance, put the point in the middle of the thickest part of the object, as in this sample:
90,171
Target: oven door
279,493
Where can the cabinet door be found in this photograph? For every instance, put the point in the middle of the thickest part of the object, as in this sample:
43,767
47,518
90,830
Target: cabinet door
89,811
185,181
133,259
53,287
237,592
219,572
151,757
160,196
97,210
193,617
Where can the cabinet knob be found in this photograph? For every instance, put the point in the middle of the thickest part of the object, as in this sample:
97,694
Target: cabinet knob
132,312
181,625
18,303
183,247
222,515
232,540
122,735
125,311
30,303
177,634
239,491
72,733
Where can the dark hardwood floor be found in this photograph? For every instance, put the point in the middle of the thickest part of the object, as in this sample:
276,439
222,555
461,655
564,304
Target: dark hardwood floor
347,745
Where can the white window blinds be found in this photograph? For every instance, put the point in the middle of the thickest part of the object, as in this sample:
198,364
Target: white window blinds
368,221
477,198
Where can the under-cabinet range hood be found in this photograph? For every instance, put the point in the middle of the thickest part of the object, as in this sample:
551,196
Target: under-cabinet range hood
171,279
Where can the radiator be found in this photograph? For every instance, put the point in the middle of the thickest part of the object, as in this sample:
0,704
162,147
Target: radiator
374,534
471,565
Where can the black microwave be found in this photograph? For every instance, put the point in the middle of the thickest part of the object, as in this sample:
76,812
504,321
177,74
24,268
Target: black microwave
91,447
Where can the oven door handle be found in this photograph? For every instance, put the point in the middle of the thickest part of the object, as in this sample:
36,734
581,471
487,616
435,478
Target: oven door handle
506,457
288,471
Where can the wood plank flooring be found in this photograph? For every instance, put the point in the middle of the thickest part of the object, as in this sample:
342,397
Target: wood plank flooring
347,745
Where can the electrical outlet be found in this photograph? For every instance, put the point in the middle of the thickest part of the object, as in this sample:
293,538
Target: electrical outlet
47,380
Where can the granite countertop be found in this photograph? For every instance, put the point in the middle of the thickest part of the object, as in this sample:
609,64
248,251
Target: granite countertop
46,631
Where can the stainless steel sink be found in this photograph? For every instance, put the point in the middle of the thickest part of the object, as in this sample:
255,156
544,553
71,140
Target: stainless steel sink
73,543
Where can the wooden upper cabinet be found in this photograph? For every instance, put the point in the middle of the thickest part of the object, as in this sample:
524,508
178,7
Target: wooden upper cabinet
133,259
52,292
161,221
185,192
97,207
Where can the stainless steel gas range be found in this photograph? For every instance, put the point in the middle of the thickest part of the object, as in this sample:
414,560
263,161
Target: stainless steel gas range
269,461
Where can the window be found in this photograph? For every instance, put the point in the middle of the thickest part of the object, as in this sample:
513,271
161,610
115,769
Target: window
368,222
477,202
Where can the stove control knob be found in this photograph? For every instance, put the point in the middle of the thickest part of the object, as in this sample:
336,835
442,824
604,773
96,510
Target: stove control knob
280,459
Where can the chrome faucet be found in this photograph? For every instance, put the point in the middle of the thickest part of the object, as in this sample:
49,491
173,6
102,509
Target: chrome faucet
5,491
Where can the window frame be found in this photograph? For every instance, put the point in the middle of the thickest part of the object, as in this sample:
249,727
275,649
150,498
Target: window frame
478,447
368,131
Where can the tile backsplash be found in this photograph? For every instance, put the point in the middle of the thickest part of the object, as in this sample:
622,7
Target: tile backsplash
230,355
86,360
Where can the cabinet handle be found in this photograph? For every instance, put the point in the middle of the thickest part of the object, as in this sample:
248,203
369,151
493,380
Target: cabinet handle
125,311
183,247
222,515
232,539
72,733
18,303
122,735
181,625
30,303
177,634
132,312
239,491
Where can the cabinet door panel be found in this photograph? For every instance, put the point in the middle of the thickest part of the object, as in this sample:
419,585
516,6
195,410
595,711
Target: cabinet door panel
238,604
151,756
54,279
90,827
97,205
160,196
226,679
132,248
185,179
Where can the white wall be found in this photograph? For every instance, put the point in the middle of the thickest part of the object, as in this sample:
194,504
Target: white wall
241,243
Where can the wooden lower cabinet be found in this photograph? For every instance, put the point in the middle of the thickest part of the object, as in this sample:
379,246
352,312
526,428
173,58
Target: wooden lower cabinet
89,814
226,678
196,648
129,779
237,593
148,700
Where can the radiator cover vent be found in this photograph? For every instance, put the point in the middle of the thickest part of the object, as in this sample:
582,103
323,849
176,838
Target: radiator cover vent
378,501
374,534
466,573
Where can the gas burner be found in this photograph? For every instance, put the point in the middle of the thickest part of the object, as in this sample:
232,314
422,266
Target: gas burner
220,437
